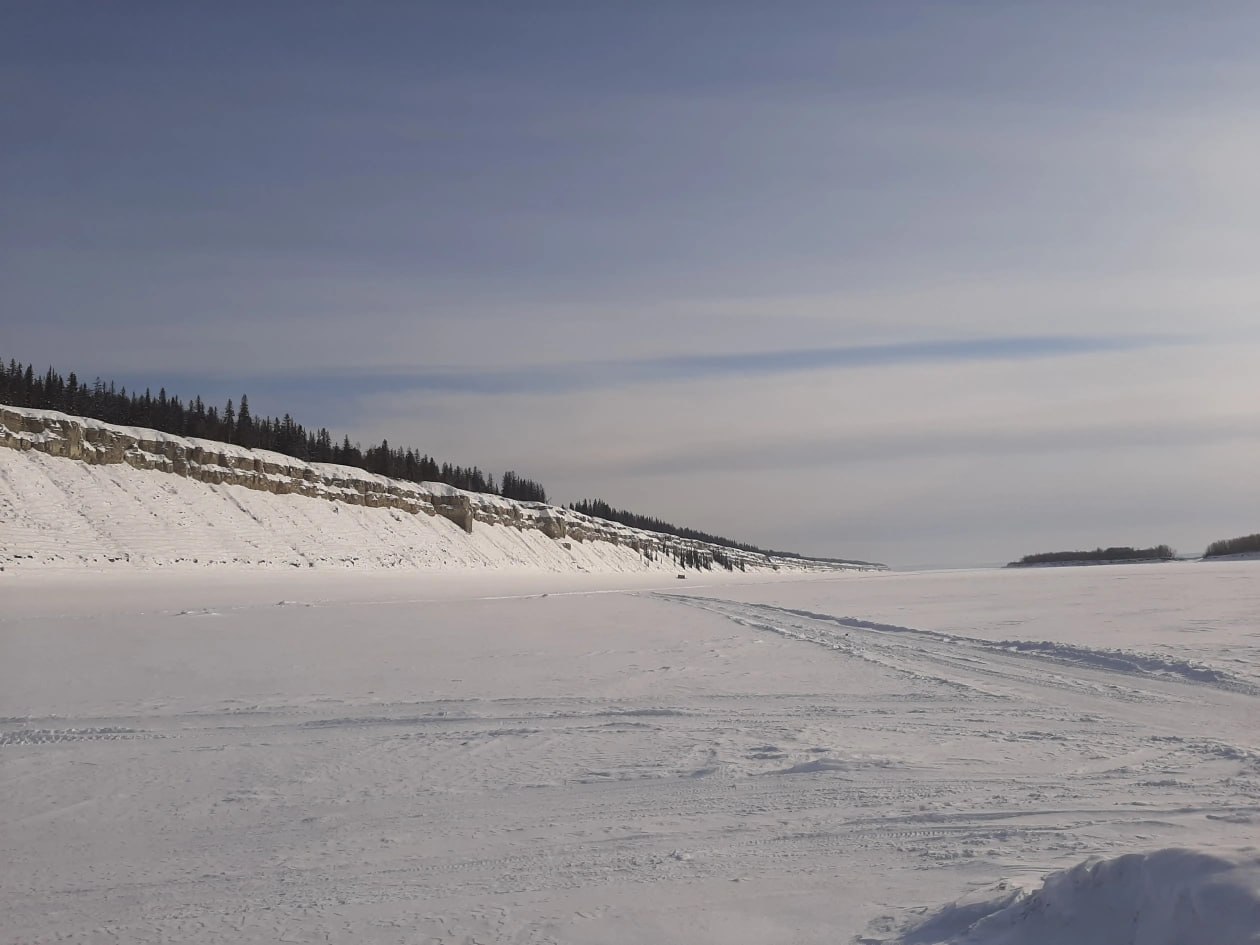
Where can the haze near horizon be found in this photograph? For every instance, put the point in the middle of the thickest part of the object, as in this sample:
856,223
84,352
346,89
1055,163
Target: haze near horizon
911,283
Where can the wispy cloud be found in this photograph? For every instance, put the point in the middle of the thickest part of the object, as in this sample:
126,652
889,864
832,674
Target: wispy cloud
583,376
806,452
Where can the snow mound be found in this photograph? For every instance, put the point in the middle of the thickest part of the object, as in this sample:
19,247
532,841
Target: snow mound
1168,897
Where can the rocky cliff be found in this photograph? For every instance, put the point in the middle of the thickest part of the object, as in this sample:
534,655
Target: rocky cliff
94,443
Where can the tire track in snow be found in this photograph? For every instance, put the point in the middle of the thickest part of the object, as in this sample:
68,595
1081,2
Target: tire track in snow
901,648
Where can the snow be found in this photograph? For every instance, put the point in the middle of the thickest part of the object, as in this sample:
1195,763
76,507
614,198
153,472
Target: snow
520,755
190,503
1168,897
67,514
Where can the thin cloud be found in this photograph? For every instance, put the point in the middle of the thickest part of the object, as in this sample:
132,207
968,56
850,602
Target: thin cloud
919,445
577,377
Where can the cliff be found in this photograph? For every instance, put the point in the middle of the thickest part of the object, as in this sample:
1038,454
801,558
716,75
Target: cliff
93,443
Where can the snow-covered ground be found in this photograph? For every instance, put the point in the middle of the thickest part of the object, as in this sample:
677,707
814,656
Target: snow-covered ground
351,757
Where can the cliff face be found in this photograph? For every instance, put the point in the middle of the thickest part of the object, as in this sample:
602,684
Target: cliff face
94,442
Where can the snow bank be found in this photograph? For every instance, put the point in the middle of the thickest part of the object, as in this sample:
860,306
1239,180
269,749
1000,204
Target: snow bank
1168,897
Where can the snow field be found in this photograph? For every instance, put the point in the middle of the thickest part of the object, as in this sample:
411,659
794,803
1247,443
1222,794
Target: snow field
349,757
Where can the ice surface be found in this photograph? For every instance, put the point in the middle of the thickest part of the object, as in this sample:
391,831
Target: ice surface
406,757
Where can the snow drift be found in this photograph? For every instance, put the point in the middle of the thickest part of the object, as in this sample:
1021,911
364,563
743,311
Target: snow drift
1168,897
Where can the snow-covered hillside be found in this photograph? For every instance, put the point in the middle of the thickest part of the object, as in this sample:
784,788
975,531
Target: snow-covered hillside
75,491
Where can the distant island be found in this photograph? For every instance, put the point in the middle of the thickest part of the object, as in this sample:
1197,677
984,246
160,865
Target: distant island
1246,545
1098,556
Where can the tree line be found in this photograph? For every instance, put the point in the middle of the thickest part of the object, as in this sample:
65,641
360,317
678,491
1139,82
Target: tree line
1247,544
21,386
1159,553
598,508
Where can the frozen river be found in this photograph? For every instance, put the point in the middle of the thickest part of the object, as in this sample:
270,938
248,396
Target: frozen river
357,758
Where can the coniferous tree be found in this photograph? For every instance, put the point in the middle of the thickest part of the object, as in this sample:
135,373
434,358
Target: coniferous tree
244,424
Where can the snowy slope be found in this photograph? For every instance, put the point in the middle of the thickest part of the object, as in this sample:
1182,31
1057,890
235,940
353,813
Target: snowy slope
61,512
77,492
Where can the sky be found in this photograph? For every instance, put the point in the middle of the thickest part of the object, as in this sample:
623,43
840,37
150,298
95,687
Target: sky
937,284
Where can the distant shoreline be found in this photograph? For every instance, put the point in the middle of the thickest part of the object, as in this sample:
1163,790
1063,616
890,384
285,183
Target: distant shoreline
1115,554
1085,562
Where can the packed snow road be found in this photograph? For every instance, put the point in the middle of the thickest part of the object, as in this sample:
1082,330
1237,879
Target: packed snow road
357,758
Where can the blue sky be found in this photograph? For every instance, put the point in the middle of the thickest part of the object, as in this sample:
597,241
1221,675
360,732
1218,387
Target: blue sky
952,282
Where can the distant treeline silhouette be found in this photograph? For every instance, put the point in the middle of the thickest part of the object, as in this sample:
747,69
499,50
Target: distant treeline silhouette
20,386
854,561
598,508
1248,544
1159,552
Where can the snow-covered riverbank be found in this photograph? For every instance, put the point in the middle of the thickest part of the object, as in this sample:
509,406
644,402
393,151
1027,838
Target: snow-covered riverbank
80,493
